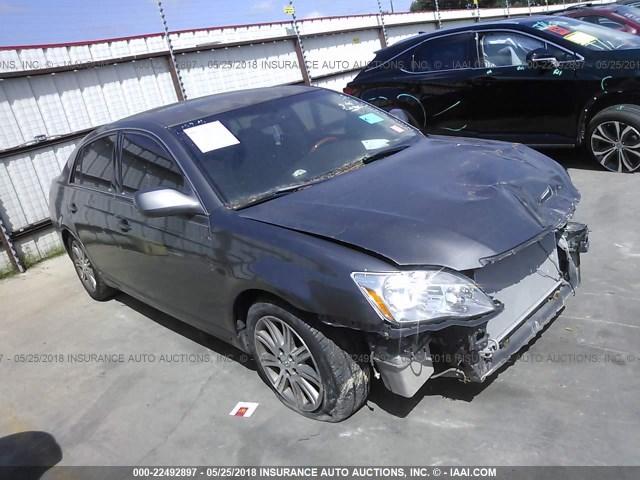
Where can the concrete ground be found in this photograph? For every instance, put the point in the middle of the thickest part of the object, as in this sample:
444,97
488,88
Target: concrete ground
571,399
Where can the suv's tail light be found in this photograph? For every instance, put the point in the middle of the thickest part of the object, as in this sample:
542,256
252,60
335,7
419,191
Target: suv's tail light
351,91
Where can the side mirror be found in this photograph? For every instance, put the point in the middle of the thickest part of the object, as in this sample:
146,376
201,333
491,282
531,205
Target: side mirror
542,58
166,202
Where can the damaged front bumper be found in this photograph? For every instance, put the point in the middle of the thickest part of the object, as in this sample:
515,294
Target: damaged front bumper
530,285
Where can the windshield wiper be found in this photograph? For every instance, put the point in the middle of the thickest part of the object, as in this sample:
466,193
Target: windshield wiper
271,194
278,192
383,153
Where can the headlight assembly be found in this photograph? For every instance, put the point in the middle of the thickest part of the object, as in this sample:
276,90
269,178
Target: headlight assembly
423,296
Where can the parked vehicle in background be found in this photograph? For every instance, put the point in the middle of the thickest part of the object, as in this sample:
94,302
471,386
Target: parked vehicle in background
325,237
630,3
542,81
618,17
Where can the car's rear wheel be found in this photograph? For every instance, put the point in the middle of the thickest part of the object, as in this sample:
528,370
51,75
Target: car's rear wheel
90,278
614,138
309,372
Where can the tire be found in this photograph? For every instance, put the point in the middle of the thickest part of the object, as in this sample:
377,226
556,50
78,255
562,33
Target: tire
613,138
90,278
322,381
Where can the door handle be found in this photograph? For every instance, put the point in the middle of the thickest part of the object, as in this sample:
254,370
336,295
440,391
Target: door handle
73,208
483,80
123,224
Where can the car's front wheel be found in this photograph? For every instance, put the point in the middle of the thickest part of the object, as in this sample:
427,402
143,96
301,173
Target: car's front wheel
309,372
614,138
89,277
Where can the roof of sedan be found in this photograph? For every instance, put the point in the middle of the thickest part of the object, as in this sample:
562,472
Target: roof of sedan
188,110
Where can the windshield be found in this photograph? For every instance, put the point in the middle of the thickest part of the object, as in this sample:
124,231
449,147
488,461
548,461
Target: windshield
292,141
632,13
588,35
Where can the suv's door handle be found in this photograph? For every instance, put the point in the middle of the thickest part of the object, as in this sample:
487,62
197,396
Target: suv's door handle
73,208
123,224
483,80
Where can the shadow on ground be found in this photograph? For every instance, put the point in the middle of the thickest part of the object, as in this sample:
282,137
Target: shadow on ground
28,455
214,344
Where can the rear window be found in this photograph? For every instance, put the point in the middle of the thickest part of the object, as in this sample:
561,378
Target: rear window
590,36
451,52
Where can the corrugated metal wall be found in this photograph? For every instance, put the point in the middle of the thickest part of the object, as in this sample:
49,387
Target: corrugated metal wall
62,90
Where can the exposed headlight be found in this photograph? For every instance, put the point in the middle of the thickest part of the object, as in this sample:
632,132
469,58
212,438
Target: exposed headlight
423,296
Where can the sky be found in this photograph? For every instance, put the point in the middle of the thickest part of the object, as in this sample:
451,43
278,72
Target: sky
29,22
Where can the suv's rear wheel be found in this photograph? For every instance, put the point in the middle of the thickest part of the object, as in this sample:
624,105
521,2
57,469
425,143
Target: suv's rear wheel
89,277
614,138
308,371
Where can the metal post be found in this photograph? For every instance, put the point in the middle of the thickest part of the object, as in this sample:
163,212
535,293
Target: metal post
508,9
302,55
392,10
176,71
438,17
529,3
8,247
477,4
384,30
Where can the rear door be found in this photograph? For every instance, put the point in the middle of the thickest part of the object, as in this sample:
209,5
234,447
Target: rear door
518,102
91,199
435,84
165,260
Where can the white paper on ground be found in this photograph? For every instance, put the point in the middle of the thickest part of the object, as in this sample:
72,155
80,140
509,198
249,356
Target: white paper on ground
244,409
211,136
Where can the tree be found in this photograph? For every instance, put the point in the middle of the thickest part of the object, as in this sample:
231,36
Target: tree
419,5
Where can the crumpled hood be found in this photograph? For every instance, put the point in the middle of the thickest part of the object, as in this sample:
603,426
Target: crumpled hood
444,201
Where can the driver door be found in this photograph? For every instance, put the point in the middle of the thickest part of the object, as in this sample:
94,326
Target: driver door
166,261
518,102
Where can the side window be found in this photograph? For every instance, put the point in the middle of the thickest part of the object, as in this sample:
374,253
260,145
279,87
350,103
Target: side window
94,165
147,164
589,18
507,49
609,23
444,53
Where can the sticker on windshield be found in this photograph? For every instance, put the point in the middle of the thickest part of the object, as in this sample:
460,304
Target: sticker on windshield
398,129
559,30
211,136
371,118
581,38
375,143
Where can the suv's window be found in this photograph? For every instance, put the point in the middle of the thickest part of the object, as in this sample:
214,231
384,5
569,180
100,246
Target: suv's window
94,165
444,53
510,49
603,21
587,35
507,49
147,164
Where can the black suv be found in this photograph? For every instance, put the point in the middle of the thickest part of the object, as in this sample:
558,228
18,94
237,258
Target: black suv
547,81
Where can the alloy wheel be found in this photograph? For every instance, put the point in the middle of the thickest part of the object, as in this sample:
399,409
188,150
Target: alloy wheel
83,267
616,146
288,364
